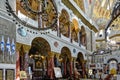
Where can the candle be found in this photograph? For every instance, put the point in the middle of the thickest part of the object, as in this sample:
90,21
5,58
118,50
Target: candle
29,70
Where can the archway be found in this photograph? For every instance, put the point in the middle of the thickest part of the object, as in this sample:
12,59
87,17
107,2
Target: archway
38,53
113,66
80,64
82,35
40,46
64,23
66,62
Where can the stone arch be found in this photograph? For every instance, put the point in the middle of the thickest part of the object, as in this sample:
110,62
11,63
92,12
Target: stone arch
82,35
112,59
64,23
80,56
40,46
39,52
113,66
66,61
80,64
65,52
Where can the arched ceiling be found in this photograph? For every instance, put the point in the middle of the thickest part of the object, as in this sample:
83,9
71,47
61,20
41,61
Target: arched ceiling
80,4
100,12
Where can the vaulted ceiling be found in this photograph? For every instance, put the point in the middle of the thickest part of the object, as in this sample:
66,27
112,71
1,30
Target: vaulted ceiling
100,12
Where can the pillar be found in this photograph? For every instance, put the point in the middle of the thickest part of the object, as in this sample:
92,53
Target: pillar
58,26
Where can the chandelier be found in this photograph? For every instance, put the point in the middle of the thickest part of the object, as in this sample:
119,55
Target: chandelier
46,12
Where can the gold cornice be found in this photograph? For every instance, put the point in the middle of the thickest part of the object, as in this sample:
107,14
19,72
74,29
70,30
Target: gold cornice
79,15
26,47
116,35
100,40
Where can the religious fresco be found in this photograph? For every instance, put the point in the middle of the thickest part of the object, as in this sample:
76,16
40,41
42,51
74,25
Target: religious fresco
64,23
80,4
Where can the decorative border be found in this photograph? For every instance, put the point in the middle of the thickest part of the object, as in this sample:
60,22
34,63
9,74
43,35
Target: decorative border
10,74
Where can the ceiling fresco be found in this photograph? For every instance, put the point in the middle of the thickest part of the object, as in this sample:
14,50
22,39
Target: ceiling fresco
100,12
80,4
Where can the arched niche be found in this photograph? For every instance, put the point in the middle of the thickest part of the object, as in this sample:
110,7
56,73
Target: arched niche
112,59
113,66
66,58
64,23
80,57
82,35
38,61
74,30
65,53
39,46
80,64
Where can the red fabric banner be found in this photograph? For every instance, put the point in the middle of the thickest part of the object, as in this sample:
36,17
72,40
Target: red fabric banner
71,68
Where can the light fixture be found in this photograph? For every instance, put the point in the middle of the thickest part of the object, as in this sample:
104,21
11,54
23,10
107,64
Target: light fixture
47,21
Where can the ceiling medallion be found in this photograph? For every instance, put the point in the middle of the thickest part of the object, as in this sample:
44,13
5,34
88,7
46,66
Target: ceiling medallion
56,44
74,50
46,13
